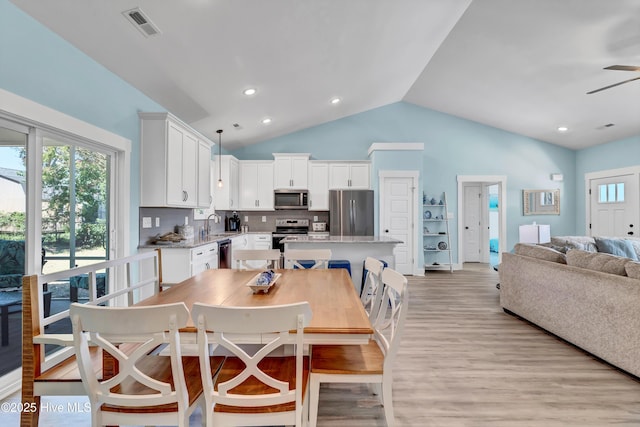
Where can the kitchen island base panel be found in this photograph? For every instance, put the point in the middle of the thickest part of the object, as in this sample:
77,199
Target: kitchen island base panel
354,252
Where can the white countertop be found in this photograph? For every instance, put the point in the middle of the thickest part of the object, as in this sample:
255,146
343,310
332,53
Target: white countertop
340,239
194,243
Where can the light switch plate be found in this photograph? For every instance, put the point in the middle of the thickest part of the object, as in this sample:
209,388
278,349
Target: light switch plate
264,218
146,222
246,218
157,221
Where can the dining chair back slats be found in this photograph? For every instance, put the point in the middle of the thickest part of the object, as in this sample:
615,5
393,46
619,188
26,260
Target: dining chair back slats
370,363
320,257
146,387
269,258
254,386
372,291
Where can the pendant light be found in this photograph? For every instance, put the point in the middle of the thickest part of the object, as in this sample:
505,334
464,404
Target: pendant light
219,131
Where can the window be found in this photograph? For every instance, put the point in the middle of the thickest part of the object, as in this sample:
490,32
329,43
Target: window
611,193
29,132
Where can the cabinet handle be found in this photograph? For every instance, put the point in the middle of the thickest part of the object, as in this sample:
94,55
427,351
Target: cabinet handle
208,266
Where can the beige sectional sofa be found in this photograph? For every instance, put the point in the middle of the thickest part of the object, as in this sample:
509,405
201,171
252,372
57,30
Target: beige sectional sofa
585,297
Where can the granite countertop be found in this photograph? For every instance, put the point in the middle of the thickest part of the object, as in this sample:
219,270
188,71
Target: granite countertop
340,239
194,243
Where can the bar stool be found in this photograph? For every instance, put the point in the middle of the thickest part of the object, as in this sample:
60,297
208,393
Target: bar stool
340,263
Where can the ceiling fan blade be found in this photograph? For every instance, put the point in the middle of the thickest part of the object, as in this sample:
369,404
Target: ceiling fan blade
622,68
613,85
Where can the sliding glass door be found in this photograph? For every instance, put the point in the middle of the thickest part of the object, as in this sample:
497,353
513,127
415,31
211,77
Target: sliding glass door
74,205
13,204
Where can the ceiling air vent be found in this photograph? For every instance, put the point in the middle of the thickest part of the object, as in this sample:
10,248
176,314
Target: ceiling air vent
139,20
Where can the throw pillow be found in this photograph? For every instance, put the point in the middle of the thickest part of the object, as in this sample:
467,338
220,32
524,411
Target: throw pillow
619,247
584,243
539,252
633,269
605,263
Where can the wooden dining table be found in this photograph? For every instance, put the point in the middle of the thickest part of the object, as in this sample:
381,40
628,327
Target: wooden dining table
338,316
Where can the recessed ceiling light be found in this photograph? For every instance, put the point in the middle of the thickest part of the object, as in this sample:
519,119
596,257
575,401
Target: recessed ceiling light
250,91
266,120
335,100
562,129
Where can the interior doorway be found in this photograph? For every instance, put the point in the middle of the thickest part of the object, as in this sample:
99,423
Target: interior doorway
482,218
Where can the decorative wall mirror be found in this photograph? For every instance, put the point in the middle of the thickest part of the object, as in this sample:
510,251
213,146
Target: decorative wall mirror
541,202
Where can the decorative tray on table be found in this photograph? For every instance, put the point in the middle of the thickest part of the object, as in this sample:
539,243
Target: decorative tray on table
262,282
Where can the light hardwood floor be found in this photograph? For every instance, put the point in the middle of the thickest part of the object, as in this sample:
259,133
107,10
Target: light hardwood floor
464,362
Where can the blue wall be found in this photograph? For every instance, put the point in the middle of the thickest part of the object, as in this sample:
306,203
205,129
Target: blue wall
453,146
37,64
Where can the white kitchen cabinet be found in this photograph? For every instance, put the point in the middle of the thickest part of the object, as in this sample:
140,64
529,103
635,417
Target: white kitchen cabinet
203,213
349,175
290,170
318,186
240,242
204,258
169,161
226,198
256,185
179,264
205,192
258,242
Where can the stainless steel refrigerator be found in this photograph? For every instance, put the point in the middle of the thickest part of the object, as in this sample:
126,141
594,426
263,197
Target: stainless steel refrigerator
351,212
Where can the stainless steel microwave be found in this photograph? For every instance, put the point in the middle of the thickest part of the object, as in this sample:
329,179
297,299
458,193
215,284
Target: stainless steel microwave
291,199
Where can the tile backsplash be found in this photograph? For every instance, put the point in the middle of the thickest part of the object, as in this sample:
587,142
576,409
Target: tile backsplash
170,218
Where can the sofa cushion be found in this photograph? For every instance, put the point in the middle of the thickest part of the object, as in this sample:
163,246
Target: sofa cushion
605,263
539,252
584,243
633,269
619,247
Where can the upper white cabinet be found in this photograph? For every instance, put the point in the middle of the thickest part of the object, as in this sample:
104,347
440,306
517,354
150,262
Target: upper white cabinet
203,213
171,170
351,175
256,185
205,192
318,186
290,170
226,198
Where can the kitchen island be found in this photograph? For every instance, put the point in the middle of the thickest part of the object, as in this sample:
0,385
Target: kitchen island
351,248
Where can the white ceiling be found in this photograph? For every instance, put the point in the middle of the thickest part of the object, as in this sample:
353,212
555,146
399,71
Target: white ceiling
520,65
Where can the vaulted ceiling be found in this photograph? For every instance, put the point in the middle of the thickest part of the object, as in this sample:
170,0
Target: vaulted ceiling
520,65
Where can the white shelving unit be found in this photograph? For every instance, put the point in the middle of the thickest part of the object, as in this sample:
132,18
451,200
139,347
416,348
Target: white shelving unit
436,238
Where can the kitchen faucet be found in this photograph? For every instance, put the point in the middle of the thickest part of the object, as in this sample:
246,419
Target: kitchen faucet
207,225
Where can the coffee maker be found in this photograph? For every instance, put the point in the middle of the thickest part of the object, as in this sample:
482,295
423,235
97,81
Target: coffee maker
233,223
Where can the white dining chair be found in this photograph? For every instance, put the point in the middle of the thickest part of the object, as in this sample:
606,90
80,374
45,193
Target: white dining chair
370,363
372,290
254,387
147,389
320,257
257,259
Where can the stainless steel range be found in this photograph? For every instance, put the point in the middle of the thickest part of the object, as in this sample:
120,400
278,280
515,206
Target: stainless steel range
287,228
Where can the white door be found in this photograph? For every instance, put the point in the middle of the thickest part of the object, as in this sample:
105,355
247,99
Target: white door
397,219
472,223
614,206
